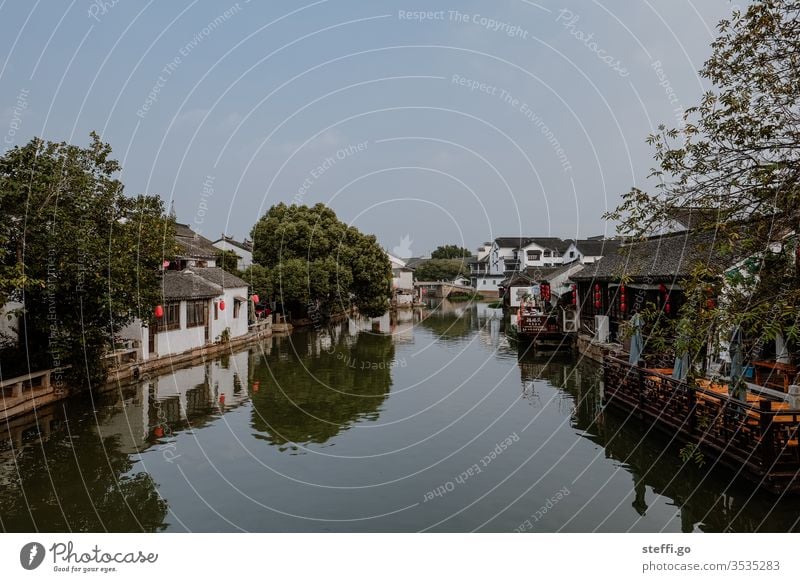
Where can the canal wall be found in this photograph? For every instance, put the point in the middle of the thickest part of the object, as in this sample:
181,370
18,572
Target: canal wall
24,394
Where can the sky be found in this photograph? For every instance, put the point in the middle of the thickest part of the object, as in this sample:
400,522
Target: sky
425,123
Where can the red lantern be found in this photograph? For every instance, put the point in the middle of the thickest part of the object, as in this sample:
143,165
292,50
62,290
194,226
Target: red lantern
623,307
222,305
574,294
256,386
222,399
158,431
710,304
597,287
255,298
597,304
159,311
662,288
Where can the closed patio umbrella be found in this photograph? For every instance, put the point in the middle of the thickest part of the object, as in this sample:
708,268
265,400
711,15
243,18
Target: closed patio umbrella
637,342
681,367
737,388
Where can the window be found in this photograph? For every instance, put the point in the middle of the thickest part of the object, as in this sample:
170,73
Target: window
196,313
237,305
572,254
534,255
547,254
172,317
216,311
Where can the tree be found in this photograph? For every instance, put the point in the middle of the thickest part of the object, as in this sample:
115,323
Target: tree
735,164
440,270
450,252
258,279
88,257
228,260
315,261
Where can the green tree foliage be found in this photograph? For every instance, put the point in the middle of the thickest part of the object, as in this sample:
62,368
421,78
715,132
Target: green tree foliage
441,270
735,163
88,257
450,252
315,259
229,261
258,279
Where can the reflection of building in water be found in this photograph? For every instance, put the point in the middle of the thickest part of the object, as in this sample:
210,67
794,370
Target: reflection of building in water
166,403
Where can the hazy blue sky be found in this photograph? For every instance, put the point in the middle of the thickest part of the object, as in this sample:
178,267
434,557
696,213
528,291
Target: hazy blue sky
486,118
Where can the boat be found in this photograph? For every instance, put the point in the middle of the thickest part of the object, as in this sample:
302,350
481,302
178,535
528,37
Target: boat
537,321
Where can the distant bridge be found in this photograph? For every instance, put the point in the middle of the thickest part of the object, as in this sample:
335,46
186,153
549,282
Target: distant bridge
441,289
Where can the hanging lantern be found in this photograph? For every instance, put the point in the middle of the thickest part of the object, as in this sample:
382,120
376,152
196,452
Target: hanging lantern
256,385
222,305
623,306
574,294
158,432
667,307
255,298
710,304
222,399
159,311
662,288
165,264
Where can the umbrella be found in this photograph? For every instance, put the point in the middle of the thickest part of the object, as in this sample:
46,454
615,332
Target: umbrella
637,343
737,388
681,367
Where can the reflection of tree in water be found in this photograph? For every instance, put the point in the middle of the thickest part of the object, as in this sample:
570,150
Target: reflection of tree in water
307,394
77,481
711,501
452,324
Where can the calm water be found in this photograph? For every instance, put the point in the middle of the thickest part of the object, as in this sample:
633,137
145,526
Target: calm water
430,422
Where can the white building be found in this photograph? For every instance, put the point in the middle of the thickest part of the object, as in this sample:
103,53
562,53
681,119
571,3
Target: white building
402,281
588,251
195,249
244,250
201,305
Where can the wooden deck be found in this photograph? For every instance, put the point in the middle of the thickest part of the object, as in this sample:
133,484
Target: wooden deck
757,438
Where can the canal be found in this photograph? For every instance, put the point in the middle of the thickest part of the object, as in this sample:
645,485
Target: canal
428,420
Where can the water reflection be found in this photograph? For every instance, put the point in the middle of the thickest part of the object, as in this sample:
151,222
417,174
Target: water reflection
316,386
262,421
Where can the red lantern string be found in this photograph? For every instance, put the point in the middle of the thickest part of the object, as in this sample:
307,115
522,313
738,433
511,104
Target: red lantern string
159,311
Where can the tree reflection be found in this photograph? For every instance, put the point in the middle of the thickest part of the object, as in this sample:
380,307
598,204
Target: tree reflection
308,393
74,480
711,500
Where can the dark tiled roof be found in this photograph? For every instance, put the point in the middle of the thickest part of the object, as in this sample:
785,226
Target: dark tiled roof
219,276
187,285
193,244
531,275
414,262
661,258
245,246
597,247
546,242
